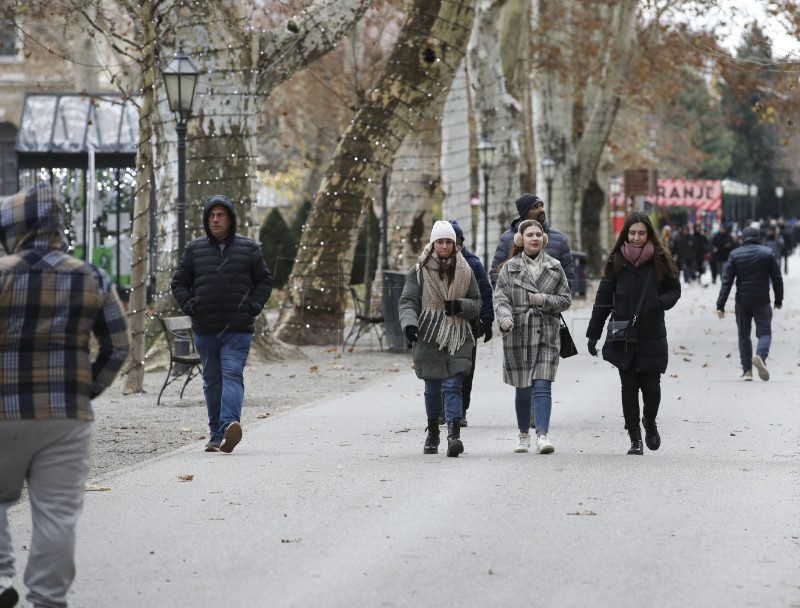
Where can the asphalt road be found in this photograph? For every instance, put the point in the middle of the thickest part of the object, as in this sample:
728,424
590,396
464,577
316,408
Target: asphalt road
333,503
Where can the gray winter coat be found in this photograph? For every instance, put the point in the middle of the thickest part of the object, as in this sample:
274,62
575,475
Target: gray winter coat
430,361
530,349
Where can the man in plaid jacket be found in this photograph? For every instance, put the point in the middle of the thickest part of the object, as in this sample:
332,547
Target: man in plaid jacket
51,303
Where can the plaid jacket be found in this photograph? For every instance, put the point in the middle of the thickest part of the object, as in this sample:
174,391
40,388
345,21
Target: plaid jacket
50,305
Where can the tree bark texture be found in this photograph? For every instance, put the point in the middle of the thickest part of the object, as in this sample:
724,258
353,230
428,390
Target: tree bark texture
430,47
498,117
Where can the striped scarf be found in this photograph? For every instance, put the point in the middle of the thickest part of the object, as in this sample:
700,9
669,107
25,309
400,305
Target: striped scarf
434,326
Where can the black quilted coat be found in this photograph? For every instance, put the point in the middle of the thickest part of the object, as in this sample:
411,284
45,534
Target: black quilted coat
222,290
620,295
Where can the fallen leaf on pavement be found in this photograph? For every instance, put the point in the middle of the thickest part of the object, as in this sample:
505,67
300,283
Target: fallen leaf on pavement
186,477
90,487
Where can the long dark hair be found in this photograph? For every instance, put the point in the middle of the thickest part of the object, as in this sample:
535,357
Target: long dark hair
662,259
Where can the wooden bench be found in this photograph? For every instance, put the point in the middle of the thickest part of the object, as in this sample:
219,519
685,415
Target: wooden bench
183,357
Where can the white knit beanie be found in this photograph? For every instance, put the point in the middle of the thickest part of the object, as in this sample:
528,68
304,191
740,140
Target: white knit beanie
443,230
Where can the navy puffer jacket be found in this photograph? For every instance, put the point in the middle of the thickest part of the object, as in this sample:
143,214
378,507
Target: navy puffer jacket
222,289
753,266
557,247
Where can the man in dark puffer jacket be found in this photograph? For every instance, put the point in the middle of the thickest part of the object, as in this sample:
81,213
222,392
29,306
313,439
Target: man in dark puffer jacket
753,266
222,283
531,207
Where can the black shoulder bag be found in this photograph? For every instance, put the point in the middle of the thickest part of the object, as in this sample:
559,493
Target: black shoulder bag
621,330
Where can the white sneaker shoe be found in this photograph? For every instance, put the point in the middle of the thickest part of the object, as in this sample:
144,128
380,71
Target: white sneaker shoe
523,443
543,445
763,372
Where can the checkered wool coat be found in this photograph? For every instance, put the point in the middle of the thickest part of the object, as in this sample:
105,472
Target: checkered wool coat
51,304
530,349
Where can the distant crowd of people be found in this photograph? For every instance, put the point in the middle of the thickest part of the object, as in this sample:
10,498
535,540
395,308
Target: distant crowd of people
695,251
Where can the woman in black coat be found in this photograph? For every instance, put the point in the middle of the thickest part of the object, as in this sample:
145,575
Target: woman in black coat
637,253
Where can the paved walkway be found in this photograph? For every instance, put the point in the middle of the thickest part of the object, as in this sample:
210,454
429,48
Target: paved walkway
334,504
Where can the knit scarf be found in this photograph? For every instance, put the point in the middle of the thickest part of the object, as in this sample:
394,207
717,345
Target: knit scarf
434,326
638,255
533,264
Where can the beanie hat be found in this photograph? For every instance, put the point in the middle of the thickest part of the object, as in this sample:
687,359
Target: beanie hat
443,230
526,202
523,226
457,228
751,234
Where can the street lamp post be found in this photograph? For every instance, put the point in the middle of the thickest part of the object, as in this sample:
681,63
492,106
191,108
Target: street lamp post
486,160
779,195
180,79
549,172
753,190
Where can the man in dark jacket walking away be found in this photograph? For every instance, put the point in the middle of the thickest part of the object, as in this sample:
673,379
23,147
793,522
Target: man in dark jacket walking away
52,306
531,207
481,326
753,266
222,283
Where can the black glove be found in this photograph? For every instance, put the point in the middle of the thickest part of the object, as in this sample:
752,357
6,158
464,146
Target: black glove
452,307
486,329
592,346
412,333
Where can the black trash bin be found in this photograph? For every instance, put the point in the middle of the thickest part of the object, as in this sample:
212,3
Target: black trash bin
393,283
579,257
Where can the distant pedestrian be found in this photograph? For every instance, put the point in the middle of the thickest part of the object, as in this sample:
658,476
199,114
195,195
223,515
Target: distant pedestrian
52,307
753,267
702,251
222,283
722,244
638,269
684,250
439,298
531,291
531,207
482,325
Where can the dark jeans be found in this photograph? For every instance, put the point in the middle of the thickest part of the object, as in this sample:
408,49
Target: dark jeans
466,386
745,315
650,385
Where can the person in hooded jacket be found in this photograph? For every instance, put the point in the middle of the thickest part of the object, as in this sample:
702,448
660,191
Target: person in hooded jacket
482,325
53,306
753,267
222,282
639,264
439,298
531,291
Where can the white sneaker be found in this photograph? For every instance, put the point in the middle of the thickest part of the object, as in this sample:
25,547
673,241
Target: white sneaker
763,372
543,445
523,443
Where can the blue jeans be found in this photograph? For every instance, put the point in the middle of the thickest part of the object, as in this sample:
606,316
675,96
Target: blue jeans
541,393
223,356
447,390
745,315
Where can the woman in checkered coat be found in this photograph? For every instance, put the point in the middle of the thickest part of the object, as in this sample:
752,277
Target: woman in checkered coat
531,291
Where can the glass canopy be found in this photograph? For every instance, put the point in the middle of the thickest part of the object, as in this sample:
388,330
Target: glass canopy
59,129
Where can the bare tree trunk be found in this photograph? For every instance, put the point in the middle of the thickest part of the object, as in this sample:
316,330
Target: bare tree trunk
429,49
137,303
456,181
498,118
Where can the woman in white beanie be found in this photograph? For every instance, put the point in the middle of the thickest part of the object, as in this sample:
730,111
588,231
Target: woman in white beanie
439,297
531,291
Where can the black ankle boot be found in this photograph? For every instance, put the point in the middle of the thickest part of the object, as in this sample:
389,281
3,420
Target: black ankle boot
651,437
636,441
454,445
432,440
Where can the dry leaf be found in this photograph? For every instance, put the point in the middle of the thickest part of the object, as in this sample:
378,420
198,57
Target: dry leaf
313,369
90,487
263,415
706,364
186,477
